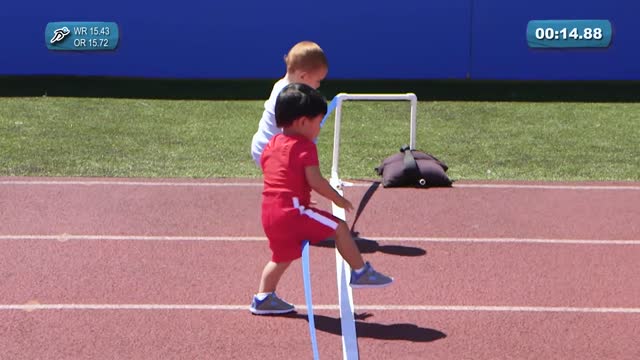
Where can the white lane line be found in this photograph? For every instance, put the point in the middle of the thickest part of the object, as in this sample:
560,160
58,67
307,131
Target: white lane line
548,187
259,184
508,240
451,308
129,183
68,237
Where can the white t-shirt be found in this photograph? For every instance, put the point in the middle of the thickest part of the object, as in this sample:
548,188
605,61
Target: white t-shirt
267,126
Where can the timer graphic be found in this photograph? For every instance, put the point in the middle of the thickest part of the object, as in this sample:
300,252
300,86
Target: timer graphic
569,33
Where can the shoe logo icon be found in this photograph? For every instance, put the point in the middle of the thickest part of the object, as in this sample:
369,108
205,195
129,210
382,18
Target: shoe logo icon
60,34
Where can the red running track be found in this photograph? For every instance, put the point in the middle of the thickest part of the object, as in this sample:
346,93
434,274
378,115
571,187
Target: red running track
458,295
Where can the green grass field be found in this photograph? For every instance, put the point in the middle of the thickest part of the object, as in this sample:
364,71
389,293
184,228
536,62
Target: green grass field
205,139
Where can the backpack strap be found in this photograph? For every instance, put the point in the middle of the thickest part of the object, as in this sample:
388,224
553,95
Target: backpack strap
411,170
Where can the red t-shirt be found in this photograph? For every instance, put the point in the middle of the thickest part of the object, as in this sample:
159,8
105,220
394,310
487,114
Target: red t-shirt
283,161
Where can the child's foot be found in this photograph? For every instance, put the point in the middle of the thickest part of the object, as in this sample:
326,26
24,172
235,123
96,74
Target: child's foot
369,278
272,304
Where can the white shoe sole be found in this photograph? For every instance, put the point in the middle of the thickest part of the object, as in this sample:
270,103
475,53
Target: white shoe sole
370,286
270,312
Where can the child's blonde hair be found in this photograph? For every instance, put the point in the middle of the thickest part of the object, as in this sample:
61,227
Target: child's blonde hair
305,56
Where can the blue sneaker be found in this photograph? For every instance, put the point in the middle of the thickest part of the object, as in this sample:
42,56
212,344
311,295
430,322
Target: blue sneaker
272,304
369,278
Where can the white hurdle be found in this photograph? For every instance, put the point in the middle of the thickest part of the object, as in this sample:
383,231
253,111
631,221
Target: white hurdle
343,271
342,97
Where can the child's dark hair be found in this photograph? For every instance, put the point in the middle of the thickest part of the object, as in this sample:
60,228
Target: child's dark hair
298,100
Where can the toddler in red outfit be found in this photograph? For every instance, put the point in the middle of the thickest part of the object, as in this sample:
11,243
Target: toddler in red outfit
291,170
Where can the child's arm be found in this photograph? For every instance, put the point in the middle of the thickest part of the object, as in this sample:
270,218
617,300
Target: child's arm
320,185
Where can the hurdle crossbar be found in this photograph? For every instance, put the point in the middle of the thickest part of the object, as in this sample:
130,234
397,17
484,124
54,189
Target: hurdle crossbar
342,97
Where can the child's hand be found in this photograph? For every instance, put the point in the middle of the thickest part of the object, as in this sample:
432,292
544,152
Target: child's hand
313,202
345,204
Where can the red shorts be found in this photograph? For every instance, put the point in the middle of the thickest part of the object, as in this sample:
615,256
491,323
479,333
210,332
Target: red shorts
287,224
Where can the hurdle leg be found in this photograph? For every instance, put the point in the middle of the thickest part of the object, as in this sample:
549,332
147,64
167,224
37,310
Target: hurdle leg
306,276
345,293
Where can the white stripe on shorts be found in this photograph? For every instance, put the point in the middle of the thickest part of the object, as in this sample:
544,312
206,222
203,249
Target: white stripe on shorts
314,215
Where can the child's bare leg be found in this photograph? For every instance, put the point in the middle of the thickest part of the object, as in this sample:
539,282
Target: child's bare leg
271,276
347,247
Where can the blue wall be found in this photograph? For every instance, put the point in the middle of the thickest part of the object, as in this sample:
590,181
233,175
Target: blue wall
500,49
401,39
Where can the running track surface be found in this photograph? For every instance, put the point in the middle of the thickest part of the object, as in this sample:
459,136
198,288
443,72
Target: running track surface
165,269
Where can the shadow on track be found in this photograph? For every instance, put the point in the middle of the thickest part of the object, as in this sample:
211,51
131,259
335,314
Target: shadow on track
367,246
370,246
405,331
